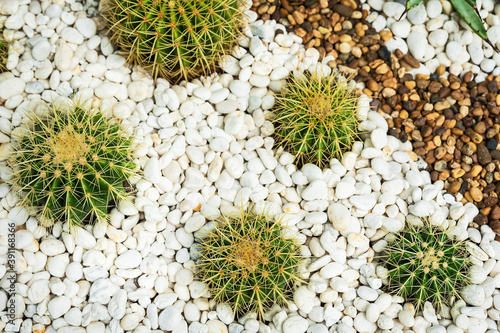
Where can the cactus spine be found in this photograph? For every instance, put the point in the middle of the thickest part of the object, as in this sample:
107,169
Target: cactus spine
248,262
70,163
175,39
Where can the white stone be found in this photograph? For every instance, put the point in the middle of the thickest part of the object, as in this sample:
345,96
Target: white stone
344,190
152,171
304,299
102,290
438,38
417,43
454,50
52,247
11,87
41,50
239,88
24,238
86,27
406,318
203,93
225,313
362,325
295,324
363,202
128,259
417,15
137,91
367,293
169,318
38,291
473,294
58,306
316,190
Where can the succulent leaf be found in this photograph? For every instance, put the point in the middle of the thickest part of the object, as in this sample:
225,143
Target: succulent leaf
70,163
175,39
248,262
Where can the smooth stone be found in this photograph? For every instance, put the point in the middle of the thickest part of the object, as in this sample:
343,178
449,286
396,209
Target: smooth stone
295,324
86,27
128,259
169,318
11,87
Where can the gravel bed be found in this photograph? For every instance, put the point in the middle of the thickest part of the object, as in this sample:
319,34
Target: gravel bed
435,34
454,125
206,146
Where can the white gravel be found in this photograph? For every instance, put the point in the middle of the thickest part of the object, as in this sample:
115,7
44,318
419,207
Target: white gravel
207,144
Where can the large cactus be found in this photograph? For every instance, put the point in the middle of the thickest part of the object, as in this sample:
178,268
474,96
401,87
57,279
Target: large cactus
248,262
175,39
426,264
70,163
315,117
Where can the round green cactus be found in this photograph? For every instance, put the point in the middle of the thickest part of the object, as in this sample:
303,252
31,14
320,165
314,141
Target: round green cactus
315,117
248,262
175,39
426,264
70,162
4,52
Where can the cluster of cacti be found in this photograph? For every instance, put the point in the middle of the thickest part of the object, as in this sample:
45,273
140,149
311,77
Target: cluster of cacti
70,162
426,264
248,262
315,117
468,11
175,39
4,50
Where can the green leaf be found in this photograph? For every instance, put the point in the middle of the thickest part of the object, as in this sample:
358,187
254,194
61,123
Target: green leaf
409,5
413,3
470,14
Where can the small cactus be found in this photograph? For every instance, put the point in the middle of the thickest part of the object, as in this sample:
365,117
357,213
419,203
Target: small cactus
70,162
315,117
4,52
248,262
426,264
175,39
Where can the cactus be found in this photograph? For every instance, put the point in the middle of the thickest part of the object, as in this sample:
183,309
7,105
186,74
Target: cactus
4,52
175,39
70,162
315,117
248,262
426,263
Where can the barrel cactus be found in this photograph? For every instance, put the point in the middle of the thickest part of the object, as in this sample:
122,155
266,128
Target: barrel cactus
426,264
315,117
3,54
175,39
249,262
70,162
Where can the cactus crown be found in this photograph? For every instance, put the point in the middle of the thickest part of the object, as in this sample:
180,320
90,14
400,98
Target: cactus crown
248,262
426,264
70,162
175,39
315,117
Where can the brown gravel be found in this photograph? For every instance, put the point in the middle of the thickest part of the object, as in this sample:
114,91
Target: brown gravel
333,27
454,125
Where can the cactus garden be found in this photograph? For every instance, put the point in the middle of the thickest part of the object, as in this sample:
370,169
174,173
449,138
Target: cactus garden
249,166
